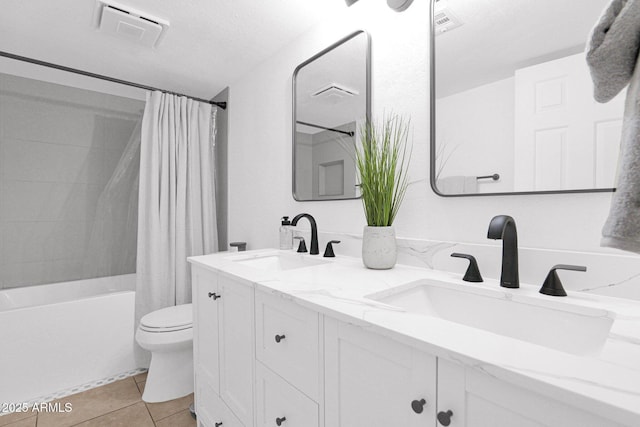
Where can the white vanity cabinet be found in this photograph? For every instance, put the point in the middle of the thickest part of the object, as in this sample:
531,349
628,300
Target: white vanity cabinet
265,359
477,399
223,349
373,381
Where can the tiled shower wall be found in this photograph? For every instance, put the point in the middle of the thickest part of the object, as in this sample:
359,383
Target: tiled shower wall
59,146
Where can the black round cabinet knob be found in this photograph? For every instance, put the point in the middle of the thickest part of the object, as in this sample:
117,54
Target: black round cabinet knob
444,418
280,338
418,405
279,421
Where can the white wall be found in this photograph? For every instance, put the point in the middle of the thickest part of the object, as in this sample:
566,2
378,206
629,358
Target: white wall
260,149
478,141
304,169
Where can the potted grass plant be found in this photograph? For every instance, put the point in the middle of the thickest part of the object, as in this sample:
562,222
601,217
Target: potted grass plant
382,160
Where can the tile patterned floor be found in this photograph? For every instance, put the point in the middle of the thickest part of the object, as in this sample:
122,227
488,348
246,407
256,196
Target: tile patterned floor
118,404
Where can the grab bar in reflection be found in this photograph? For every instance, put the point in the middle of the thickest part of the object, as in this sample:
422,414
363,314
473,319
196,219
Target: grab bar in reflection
494,177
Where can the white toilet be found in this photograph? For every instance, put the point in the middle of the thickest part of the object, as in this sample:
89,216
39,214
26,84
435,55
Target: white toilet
168,335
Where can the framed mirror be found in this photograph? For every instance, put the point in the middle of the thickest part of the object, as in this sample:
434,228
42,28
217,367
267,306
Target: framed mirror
512,108
331,98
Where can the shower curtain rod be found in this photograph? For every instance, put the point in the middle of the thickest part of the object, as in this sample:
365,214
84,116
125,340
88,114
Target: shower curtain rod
221,104
326,128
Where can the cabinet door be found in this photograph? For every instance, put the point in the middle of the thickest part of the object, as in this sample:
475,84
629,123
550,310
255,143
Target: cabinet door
236,346
373,381
205,343
479,400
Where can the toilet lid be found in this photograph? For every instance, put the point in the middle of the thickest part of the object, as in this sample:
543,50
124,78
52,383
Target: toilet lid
170,318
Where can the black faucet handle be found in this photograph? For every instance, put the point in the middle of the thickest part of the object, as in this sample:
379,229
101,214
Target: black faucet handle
552,284
328,251
302,247
473,272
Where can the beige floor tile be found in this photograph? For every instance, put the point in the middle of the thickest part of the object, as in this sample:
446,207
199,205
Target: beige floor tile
181,419
93,403
134,415
140,377
141,387
16,416
25,422
164,409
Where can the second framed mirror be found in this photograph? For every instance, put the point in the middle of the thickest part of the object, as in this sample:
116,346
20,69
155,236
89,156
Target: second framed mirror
512,100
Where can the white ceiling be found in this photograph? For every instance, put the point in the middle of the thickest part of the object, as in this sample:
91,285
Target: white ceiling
209,44
344,66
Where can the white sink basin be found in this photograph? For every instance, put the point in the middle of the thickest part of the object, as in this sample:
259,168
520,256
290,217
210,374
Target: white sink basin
555,324
279,261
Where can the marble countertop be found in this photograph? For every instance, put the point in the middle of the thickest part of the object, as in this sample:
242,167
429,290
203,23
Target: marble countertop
607,384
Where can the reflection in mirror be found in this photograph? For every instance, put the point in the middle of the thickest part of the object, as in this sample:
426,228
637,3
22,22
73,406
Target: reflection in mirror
331,98
514,109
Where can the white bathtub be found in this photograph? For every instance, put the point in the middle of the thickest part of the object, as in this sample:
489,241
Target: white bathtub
55,337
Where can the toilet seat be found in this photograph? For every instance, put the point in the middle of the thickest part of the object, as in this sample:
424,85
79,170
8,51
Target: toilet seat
160,330
169,319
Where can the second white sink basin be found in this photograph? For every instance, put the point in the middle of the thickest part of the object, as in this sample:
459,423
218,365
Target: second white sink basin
278,261
559,325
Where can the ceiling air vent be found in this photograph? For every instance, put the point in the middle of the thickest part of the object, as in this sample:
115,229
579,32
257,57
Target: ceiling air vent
445,21
334,92
129,24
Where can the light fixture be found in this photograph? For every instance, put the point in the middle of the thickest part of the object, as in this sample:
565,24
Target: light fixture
397,5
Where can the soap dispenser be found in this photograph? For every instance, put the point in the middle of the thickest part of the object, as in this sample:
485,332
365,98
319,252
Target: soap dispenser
286,234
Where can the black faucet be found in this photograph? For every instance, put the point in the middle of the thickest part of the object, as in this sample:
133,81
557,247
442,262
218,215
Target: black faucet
504,227
314,231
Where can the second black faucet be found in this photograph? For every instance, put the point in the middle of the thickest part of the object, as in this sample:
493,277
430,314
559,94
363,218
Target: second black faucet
503,227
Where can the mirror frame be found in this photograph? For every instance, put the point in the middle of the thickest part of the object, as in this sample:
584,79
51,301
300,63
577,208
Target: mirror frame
432,126
294,118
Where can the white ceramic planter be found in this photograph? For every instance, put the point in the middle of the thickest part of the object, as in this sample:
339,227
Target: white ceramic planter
379,250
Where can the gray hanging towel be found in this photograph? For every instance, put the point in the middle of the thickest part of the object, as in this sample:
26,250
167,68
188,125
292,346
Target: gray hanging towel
612,56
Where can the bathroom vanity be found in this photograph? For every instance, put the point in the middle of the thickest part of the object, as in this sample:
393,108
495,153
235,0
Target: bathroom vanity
286,339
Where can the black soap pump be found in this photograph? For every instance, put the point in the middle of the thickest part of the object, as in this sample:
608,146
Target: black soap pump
286,234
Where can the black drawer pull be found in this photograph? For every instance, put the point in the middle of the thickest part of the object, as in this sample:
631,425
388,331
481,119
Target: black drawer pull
418,405
278,339
444,418
279,421
218,424
214,295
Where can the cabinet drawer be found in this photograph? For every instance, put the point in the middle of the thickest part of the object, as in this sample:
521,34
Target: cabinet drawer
287,341
278,403
211,410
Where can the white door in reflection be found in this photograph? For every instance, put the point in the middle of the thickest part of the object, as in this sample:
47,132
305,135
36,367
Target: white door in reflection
563,138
